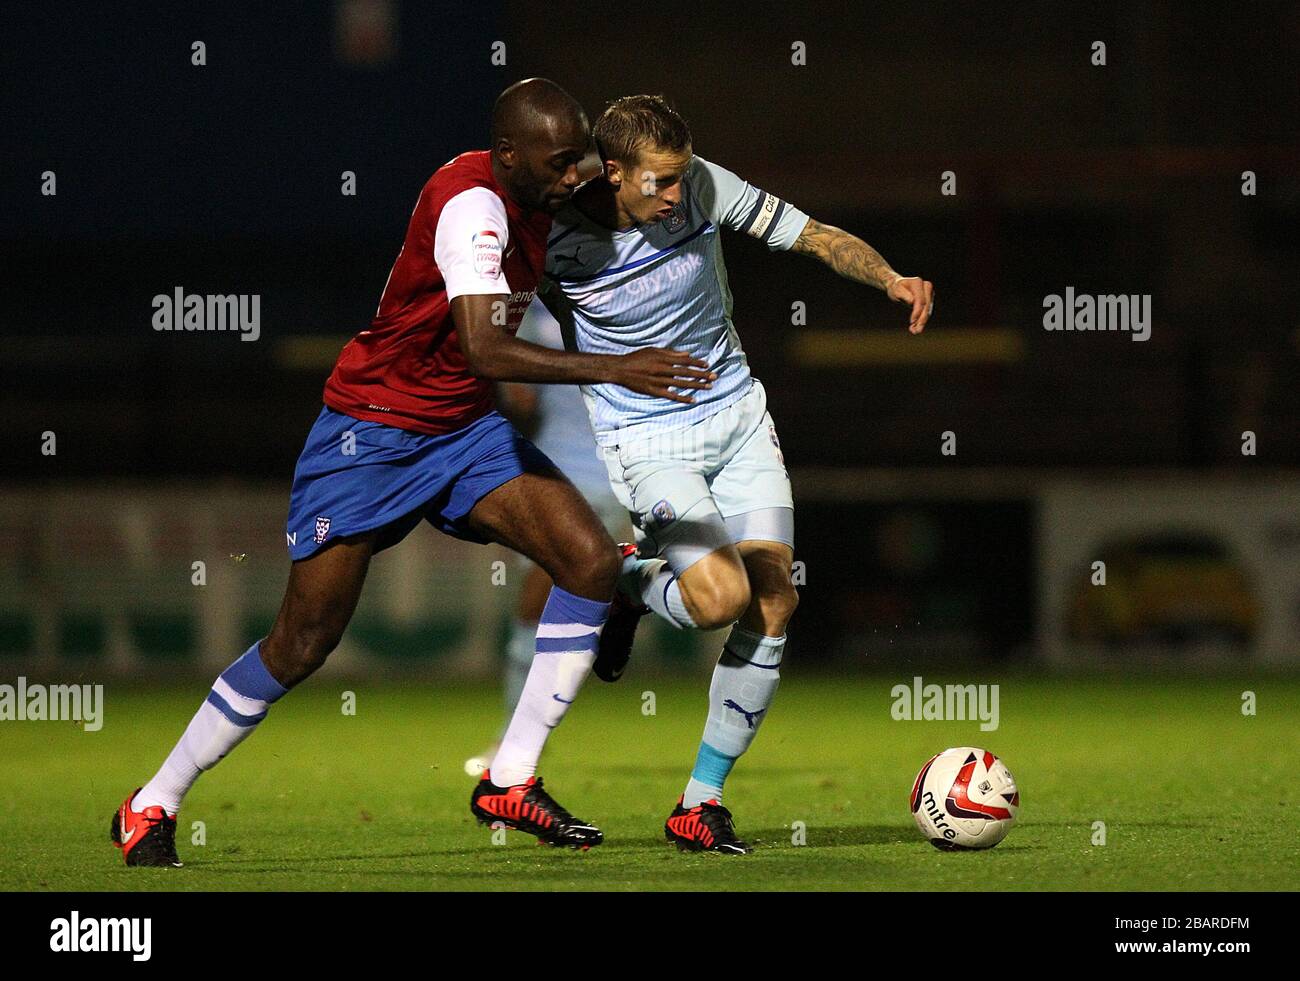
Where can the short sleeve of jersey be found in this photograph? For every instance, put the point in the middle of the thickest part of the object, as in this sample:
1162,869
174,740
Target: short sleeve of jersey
470,242
734,203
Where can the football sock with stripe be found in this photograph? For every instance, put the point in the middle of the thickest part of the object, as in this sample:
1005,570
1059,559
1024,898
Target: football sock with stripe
238,701
744,682
654,581
566,648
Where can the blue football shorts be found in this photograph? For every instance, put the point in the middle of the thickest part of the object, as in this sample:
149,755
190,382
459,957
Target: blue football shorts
355,476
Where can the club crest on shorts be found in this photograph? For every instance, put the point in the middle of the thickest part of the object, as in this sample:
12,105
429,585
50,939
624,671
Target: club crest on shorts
771,431
322,530
663,513
675,222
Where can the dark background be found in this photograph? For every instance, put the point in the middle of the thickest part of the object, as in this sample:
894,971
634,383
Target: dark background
1124,178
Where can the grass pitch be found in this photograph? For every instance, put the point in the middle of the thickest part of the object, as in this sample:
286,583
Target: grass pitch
1194,795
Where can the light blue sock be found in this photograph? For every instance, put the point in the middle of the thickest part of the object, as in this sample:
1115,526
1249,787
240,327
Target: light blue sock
653,582
744,682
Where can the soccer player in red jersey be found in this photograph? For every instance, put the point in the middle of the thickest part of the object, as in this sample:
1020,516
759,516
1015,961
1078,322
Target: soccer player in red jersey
409,433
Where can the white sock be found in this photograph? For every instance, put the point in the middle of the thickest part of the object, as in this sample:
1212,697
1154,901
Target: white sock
566,648
238,701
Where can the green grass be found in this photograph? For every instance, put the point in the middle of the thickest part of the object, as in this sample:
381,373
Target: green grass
1194,794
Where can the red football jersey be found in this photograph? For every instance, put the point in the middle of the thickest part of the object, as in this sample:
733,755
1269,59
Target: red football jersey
465,236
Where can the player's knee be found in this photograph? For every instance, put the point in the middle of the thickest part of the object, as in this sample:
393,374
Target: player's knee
295,653
596,562
721,602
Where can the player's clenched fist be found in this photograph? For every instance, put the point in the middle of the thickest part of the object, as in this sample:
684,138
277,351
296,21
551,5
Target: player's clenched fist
658,370
919,294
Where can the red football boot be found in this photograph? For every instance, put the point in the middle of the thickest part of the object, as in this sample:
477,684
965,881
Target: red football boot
705,827
146,837
527,807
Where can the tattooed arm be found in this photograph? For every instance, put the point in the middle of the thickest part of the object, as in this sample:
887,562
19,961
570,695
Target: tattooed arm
847,254
854,259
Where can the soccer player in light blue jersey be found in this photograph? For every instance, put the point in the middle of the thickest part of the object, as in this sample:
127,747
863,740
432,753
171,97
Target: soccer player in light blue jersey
635,260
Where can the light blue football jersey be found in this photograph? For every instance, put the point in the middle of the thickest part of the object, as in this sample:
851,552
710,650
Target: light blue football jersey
564,429
661,285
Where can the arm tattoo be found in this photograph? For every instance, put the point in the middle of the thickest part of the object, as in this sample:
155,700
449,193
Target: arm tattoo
847,254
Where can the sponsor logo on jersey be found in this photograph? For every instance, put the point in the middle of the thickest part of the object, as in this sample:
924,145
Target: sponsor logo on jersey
322,530
486,246
663,513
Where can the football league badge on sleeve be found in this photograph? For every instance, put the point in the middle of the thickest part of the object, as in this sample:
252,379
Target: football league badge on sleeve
486,246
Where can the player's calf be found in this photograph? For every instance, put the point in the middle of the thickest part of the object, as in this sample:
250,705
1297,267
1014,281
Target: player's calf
771,608
768,568
318,603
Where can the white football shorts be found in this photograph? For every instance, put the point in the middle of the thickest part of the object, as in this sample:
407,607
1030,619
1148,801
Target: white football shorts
694,490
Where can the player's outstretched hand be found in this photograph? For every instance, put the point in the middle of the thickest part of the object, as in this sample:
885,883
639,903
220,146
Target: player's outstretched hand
658,370
917,292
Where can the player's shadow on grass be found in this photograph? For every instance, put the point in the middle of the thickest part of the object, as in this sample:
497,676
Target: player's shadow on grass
675,770
242,865
840,836
1117,824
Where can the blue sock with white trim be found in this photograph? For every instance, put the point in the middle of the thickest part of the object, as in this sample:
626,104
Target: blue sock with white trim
238,701
744,682
567,636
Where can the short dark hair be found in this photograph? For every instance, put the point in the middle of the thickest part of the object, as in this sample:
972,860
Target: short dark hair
634,122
